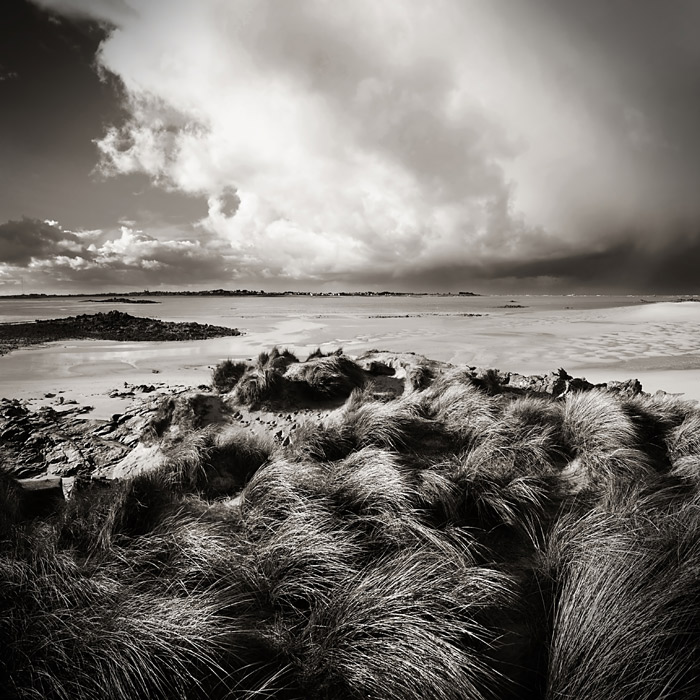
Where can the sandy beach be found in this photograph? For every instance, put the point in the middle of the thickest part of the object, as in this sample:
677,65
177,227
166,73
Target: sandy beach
654,342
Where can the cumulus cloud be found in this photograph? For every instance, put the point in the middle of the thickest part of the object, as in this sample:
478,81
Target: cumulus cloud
393,140
21,240
45,255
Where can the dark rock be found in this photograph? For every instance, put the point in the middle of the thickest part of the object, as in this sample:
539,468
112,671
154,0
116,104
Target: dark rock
113,325
380,368
15,409
40,497
627,388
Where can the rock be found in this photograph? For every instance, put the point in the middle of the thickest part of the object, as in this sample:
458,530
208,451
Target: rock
628,388
47,442
65,459
40,497
557,383
141,459
379,368
519,381
15,409
113,325
67,486
14,432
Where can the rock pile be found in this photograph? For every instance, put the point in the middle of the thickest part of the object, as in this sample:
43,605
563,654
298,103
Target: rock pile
113,325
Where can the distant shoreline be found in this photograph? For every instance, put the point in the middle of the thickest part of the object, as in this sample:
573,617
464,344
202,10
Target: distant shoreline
123,297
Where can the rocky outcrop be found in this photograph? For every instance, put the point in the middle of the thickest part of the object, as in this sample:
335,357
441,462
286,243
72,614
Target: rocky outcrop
556,384
49,442
62,442
418,372
113,325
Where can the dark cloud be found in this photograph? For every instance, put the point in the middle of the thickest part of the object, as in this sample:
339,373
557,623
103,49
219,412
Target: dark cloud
41,255
56,93
670,267
622,268
21,241
55,103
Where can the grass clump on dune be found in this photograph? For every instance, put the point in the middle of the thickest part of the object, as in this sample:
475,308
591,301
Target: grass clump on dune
226,374
326,378
276,359
258,387
455,541
279,378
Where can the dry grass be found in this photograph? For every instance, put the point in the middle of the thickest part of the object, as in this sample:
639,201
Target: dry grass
454,542
226,374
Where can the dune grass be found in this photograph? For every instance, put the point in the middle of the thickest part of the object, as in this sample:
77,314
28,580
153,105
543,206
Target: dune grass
458,541
226,374
626,608
278,378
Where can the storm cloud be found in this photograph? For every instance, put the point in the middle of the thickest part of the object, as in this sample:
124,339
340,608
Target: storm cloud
21,241
367,141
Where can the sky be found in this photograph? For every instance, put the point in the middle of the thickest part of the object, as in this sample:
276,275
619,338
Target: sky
538,146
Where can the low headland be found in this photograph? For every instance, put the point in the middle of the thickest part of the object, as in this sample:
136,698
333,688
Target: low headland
382,526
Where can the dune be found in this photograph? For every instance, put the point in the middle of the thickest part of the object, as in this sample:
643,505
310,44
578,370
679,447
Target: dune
661,312
379,526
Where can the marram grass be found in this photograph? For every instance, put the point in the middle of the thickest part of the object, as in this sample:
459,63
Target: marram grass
454,542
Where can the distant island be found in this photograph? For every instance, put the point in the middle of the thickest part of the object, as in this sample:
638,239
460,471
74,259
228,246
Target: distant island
126,297
119,300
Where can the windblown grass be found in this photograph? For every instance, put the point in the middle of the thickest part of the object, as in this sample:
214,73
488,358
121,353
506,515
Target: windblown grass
226,374
258,387
327,378
276,359
458,541
278,377
626,609
11,511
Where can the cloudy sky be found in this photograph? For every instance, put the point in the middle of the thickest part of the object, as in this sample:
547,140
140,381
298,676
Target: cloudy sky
486,145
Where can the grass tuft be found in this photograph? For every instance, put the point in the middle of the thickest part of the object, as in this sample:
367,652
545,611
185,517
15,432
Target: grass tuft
226,375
